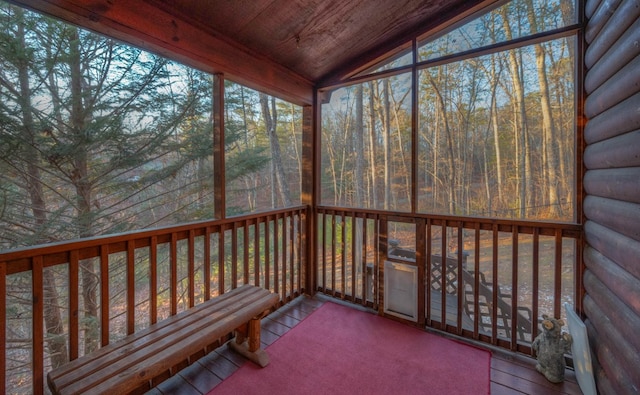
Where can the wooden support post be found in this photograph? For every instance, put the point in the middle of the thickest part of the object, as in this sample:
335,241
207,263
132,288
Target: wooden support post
254,335
247,342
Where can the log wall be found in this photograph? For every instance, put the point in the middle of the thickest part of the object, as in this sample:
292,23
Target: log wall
612,187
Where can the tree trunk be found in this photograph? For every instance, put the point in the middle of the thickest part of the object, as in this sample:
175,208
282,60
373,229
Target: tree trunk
79,178
521,123
548,127
52,315
386,136
271,121
495,126
372,149
450,157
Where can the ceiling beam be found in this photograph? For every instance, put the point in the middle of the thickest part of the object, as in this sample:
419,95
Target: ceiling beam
139,23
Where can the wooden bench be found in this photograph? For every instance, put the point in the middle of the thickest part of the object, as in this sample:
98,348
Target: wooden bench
130,364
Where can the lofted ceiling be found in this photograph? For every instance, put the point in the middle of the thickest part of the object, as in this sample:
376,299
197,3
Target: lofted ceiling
317,39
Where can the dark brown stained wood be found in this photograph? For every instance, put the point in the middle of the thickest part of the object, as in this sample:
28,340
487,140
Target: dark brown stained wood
621,86
161,329
37,284
221,267
141,24
622,118
104,295
313,37
615,355
234,255
614,277
245,254
144,355
621,53
614,214
620,249
131,289
617,25
598,17
153,280
173,272
3,323
74,297
191,268
626,321
619,151
619,184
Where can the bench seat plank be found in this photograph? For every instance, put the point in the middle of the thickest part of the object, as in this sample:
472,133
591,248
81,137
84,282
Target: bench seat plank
129,363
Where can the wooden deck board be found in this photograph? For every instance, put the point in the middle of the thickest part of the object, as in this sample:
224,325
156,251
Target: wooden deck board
511,374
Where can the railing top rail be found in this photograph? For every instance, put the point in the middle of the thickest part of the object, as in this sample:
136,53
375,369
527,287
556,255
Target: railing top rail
503,224
17,259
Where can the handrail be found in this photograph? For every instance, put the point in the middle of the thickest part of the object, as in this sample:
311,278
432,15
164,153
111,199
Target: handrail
53,296
516,270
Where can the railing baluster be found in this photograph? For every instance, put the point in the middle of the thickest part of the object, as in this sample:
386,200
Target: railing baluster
37,284
333,252
256,253
293,225
476,283
354,257
557,278
153,279
267,253
74,296
173,263
3,326
514,287
535,280
363,261
207,262
276,255
496,287
324,251
221,262
105,308
461,289
245,251
234,255
131,288
343,248
443,276
284,256
429,271
191,267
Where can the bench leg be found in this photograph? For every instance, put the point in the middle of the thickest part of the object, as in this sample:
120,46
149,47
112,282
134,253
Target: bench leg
247,343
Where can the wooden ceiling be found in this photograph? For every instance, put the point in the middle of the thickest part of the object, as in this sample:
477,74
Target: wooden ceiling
283,47
317,38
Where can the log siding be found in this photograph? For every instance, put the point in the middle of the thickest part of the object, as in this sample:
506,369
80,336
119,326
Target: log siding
612,187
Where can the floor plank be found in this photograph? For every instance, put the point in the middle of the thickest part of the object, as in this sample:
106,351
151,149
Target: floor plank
511,374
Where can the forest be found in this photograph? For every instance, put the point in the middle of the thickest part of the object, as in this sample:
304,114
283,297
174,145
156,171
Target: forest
99,137
495,131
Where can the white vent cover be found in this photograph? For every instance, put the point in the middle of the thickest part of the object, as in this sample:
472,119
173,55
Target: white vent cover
581,352
401,290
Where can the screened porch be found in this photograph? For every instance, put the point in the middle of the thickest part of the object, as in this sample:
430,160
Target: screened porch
461,167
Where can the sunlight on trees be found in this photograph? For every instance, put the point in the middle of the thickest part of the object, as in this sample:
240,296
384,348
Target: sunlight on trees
495,133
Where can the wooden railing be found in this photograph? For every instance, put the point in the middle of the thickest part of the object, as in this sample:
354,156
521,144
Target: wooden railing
511,272
63,300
